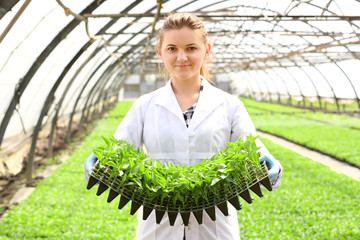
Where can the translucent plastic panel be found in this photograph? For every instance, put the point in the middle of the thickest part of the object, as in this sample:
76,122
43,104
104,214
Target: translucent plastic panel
245,82
291,83
337,79
296,26
305,82
322,86
144,6
278,6
31,35
335,26
257,82
268,82
75,77
84,81
135,28
278,81
138,38
88,77
120,24
112,7
317,40
351,69
197,5
288,40
262,26
121,39
302,7
171,5
34,96
347,7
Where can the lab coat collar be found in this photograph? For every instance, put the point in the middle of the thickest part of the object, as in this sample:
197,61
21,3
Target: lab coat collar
209,100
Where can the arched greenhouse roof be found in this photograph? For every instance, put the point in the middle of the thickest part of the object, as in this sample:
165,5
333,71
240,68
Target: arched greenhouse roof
62,61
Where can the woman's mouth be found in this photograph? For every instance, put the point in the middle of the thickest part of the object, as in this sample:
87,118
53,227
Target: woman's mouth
182,66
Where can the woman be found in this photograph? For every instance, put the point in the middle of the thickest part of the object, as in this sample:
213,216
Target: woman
187,121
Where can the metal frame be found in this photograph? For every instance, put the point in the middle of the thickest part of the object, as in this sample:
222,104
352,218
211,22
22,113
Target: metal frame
141,56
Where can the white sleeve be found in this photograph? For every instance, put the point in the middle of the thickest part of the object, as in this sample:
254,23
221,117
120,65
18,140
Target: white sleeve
242,125
131,127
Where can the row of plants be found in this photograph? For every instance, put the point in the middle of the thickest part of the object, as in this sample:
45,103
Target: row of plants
312,202
262,107
256,108
335,135
60,207
333,119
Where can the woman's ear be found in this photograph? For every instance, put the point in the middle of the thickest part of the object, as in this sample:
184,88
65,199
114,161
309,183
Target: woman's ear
159,52
207,52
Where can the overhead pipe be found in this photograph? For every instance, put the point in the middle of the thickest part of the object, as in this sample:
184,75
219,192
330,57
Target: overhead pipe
25,81
14,19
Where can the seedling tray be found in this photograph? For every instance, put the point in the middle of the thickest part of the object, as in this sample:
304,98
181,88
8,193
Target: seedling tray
229,192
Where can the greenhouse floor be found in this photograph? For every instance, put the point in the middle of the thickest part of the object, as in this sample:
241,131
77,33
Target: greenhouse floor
338,166
313,201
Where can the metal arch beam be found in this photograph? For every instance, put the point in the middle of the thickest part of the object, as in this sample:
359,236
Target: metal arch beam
109,91
67,68
14,19
6,6
98,90
37,64
62,34
60,101
99,86
68,135
92,91
102,85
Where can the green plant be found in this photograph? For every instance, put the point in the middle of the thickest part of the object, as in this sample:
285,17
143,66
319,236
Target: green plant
130,172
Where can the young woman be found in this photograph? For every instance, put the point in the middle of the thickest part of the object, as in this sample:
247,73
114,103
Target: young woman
187,121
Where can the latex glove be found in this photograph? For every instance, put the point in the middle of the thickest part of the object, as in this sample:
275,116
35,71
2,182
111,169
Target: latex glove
89,163
273,166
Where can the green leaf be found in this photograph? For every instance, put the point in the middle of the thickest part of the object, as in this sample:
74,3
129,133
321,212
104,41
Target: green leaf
214,181
106,140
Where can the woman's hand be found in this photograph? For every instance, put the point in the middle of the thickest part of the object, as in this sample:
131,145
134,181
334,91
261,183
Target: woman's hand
273,166
89,164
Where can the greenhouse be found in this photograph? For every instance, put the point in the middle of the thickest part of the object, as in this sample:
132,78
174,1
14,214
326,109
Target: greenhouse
70,71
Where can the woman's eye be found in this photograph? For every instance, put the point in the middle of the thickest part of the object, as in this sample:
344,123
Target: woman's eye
171,49
192,48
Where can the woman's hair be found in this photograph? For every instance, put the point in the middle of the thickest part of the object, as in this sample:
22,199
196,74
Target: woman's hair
179,21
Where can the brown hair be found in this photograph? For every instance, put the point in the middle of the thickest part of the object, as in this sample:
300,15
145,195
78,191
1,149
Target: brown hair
179,21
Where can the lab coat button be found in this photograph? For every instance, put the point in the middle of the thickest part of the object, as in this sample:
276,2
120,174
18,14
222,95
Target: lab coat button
192,145
191,134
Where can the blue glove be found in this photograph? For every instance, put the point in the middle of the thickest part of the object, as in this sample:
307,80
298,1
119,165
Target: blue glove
273,166
89,163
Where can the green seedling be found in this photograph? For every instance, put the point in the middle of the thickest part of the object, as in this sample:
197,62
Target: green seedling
180,186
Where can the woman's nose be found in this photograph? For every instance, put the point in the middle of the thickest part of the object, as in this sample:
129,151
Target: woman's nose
181,57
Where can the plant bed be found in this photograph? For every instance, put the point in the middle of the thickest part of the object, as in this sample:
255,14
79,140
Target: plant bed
179,190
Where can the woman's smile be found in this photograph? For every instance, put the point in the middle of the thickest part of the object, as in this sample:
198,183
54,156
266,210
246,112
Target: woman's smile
182,65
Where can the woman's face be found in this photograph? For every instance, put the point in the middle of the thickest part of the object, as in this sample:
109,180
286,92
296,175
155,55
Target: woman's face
183,52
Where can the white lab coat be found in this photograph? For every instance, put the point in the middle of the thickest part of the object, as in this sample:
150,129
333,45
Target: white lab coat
156,121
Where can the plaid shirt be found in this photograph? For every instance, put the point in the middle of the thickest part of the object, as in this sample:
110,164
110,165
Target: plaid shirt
188,114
